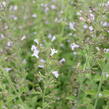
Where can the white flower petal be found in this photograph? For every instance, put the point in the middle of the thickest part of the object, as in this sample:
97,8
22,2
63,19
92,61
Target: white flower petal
55,73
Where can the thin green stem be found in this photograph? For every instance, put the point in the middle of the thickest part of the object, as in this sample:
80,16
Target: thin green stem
99,89
81,83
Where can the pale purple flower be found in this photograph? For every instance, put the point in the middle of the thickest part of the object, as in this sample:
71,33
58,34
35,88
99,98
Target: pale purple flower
35,51
106,50
91,28
49,36
42,61
55,73
1,36
53,7
74,46
8,69
85,26
62,60
13,17
105,24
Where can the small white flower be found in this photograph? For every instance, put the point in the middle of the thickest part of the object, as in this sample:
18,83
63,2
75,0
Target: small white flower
41,45
106,50
78,13
6,27
35,51
34,15
107,4
91,17
75,53
36,54
53,51
41,66
91,28
13,8
55,73
105,24
74,46
10,44
62,60
107,75
4,3
36,41
23,37
42,61
71,25
81,19
53,38
34,1
49,36
1,36
98,49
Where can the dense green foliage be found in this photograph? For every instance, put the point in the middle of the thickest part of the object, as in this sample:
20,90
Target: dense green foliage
54,54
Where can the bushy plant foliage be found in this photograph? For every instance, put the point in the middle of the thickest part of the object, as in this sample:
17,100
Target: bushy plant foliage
54,54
